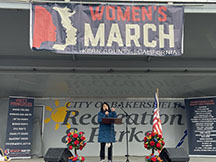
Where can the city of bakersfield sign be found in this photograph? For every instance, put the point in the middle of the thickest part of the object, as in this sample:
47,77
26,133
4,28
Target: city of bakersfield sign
65,115
107,29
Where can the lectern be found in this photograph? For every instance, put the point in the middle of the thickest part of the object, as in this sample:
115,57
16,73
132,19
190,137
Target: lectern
112,120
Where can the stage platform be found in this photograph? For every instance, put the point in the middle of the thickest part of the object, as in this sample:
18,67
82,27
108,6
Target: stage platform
122,159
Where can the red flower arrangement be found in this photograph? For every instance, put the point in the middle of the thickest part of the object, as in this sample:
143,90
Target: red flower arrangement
77,141
154,141
76,159
153,158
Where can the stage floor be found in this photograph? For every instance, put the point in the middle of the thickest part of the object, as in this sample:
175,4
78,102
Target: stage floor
123,159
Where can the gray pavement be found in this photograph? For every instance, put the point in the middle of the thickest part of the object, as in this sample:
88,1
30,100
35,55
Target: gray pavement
122,159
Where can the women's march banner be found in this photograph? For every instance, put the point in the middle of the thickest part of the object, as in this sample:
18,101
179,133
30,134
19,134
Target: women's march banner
107,29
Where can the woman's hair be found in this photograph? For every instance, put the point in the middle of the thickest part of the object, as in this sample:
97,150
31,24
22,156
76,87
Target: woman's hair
105,104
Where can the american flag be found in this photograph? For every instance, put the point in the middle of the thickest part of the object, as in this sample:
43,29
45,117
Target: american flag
156,117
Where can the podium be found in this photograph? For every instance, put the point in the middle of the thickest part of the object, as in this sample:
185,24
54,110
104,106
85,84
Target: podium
112,120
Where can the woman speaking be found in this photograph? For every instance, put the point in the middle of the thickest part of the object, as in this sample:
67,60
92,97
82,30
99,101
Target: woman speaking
106,131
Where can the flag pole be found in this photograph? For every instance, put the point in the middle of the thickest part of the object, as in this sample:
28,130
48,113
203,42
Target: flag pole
157,93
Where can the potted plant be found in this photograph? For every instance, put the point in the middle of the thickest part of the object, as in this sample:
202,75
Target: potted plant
76,141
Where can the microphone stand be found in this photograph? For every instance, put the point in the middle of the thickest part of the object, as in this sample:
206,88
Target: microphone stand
127,117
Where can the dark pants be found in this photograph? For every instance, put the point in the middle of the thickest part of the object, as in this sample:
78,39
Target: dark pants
102,151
